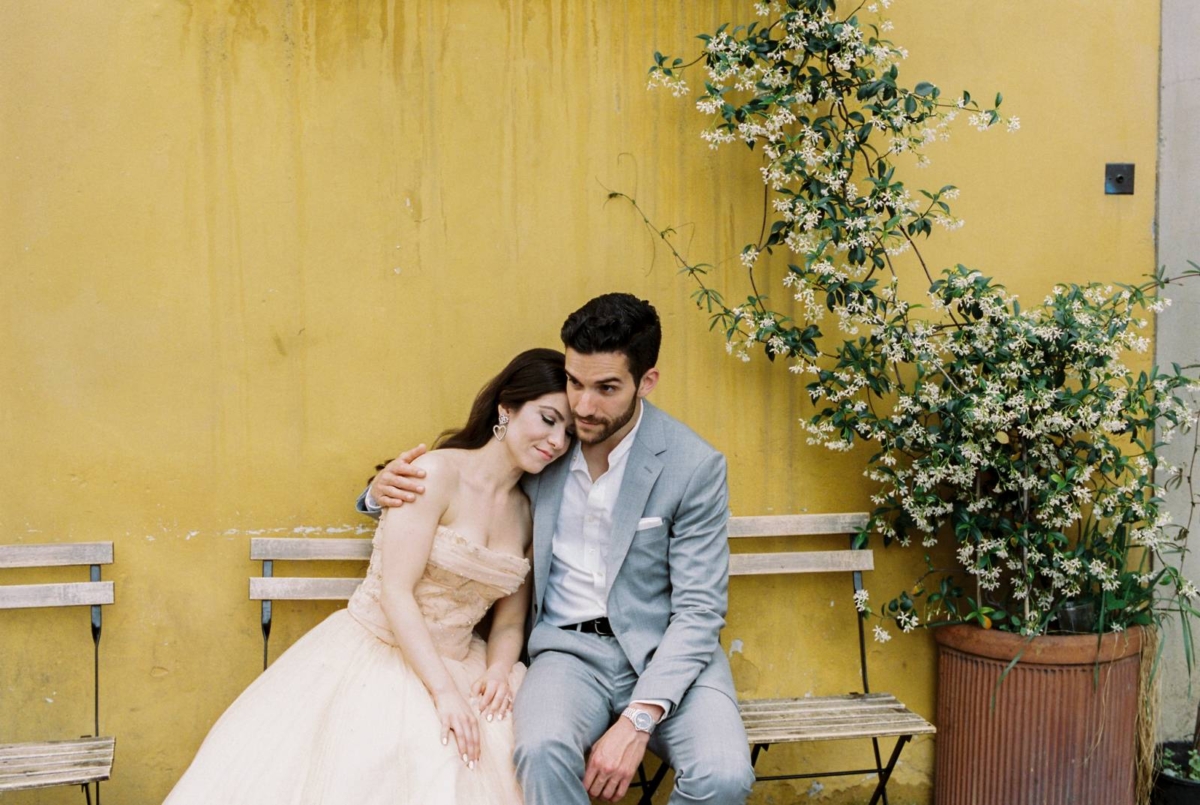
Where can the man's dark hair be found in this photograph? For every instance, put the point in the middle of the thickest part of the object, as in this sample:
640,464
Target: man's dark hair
616,322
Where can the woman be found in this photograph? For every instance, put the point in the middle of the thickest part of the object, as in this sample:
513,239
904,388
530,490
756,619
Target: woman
394,699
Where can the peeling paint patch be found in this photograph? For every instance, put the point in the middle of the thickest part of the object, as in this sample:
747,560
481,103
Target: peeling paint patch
345,528
815,789
736,647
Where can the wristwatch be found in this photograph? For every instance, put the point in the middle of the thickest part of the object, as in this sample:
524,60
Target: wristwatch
642,720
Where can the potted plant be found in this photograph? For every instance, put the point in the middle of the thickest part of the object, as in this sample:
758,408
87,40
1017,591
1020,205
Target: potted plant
1178,774
1024,435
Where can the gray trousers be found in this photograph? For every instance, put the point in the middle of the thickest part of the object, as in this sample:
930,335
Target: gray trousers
577,686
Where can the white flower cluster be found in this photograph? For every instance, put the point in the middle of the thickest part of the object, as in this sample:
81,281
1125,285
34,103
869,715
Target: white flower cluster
675,83
860,600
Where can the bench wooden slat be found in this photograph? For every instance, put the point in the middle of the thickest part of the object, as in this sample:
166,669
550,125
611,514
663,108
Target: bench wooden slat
56,555
75,594
759,564
54,765
797,525
11,759
848,733
772,721
47,763
73,777
54,747
818,702
831,719
301,589
302,549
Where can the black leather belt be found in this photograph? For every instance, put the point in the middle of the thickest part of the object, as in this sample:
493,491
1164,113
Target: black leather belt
599,626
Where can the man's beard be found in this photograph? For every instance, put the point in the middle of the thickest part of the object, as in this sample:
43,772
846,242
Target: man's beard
611,426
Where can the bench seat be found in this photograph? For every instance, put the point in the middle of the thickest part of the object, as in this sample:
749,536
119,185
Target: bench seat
46,763
828,718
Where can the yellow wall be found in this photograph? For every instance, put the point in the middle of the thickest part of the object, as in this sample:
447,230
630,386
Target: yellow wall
250,248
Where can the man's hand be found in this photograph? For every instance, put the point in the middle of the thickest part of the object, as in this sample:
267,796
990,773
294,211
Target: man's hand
395,484
614,760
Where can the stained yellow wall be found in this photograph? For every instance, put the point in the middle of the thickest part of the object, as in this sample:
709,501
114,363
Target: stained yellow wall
250,248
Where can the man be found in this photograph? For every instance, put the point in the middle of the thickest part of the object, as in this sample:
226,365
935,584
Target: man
630,563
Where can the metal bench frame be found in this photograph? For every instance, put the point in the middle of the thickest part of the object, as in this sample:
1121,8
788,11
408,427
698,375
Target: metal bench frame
88,760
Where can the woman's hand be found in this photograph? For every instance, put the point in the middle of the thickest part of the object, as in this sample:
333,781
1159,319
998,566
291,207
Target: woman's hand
457,717
495,694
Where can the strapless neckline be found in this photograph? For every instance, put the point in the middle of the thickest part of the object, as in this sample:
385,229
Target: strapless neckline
477,548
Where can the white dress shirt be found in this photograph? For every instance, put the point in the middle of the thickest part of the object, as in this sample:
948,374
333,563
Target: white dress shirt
577,586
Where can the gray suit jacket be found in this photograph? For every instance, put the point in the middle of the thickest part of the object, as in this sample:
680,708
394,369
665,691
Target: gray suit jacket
668,582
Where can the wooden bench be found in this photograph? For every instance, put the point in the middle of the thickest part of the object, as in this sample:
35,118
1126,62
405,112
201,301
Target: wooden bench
862,715
84,761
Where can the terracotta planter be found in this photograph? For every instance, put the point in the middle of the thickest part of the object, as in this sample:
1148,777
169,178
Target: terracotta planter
1062,729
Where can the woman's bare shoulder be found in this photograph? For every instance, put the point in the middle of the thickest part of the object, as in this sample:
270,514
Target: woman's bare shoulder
442,471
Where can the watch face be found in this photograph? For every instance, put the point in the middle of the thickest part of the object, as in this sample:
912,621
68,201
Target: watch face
643,721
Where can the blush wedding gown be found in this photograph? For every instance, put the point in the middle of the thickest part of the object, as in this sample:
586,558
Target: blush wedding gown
341,719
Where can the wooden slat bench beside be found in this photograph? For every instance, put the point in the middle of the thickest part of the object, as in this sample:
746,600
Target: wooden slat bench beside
859,716
83,761
864,715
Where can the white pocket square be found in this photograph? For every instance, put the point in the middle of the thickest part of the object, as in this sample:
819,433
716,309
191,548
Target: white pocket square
649,522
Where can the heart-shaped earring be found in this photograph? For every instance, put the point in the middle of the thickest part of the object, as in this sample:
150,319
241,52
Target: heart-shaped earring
501,429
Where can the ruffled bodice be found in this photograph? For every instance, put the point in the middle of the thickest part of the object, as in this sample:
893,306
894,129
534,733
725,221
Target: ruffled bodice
460,583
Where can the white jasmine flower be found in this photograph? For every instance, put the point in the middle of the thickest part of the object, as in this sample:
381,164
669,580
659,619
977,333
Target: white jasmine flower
860,600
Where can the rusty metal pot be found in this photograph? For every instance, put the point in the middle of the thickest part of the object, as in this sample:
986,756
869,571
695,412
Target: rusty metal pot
1058,729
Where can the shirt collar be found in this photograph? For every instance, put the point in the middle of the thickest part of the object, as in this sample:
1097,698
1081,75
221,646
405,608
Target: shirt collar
623,447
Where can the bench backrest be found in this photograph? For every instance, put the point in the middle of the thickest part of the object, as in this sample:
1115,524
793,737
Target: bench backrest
93,593
799,525
70,594
268,550
267,588
853,560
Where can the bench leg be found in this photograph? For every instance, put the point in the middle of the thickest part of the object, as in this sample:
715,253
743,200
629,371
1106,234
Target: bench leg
87,793
648,788
879,765
886,773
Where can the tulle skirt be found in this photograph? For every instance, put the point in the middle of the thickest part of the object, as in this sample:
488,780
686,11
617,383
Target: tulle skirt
341,718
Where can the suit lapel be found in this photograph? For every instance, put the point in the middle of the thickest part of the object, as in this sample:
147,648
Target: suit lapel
545,518
641,472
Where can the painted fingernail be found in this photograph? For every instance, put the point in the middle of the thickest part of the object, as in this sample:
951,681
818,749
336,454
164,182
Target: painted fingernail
471,765
465,758
445,740
489,717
